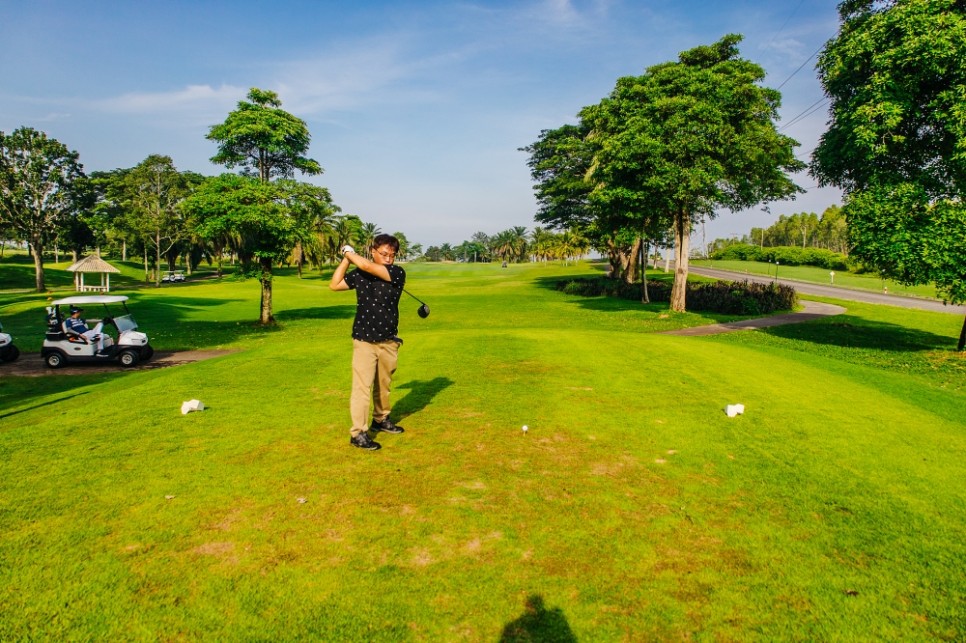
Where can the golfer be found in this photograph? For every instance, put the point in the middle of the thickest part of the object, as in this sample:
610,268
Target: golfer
375,345
74,324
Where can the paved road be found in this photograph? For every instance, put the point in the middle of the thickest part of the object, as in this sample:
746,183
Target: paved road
837,292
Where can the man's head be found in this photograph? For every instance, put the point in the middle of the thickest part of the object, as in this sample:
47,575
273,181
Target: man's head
384,249
75,311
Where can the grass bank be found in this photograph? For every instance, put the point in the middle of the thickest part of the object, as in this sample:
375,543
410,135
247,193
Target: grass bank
633,508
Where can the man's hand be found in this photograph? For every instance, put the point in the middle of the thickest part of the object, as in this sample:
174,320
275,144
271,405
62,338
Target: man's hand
346,249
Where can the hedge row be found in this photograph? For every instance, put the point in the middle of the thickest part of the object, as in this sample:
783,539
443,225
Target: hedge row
785,255
729,298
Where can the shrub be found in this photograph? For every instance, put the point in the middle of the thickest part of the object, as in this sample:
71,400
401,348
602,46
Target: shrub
785,255
729,298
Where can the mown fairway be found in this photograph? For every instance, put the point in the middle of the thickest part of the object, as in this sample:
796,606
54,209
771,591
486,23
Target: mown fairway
634,508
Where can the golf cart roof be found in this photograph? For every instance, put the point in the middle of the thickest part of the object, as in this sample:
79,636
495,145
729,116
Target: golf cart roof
89,299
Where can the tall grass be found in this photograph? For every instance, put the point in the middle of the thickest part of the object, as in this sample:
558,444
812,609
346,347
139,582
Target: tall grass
633,509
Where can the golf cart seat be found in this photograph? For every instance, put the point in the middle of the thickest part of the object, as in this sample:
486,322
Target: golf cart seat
74,337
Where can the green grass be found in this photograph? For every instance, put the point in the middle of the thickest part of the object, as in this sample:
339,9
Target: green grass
813,274
634,509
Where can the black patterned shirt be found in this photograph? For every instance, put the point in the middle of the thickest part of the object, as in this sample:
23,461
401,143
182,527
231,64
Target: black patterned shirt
377,304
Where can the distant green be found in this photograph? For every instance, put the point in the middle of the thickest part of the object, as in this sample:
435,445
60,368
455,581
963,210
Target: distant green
632,509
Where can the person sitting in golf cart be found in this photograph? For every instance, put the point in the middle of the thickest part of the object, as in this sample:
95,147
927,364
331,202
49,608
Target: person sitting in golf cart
74,325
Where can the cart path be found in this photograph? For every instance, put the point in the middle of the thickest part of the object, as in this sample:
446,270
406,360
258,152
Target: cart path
810,310
31,364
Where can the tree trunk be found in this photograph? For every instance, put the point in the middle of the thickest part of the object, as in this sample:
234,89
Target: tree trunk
147,275
632,262
265,317
962,338
645,297
37,249
124,250
682,237
157,258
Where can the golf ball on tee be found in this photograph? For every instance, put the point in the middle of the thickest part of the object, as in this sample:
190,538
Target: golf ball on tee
524,428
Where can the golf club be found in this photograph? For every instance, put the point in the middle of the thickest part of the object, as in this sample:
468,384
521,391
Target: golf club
424,309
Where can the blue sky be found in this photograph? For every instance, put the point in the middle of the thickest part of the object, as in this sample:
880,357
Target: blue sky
416,108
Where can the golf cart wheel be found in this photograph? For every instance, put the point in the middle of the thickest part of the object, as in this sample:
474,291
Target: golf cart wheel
147,353
128,359
12,354
54,360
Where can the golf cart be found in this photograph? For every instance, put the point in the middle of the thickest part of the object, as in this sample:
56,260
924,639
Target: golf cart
171,277
8,352
61,345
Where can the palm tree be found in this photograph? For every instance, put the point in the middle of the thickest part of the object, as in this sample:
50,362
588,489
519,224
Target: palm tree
367,236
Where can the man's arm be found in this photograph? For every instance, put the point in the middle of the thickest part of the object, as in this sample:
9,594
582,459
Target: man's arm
365,265
338,277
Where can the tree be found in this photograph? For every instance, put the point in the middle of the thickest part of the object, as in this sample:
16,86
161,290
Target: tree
896,142
261,221
258,136
152,191
39,179
685,139
368,234
559,162
313,205
403,253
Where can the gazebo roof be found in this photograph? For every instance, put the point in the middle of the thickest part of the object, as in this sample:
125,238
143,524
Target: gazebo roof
92,263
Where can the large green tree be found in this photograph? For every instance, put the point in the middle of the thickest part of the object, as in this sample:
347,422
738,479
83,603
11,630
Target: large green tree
270,143
685,139
896,142
259,136
39,189
260,220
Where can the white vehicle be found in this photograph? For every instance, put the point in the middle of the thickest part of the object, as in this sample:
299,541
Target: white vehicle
8,352
171,277
126,344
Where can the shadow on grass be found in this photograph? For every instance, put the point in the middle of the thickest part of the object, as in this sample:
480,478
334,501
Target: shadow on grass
319,312
847,331
537,623
40,405
421,394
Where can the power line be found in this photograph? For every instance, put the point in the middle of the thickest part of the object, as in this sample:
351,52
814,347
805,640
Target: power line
808,111
800,67
787,20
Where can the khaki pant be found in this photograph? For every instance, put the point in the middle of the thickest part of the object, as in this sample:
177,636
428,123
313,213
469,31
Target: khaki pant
372,369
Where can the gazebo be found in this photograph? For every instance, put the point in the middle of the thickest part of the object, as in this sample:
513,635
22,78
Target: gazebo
92,263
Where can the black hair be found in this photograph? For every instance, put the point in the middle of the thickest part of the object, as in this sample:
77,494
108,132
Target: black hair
386,240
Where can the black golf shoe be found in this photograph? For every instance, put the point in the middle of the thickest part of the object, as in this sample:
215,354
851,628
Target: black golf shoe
363,441
386,426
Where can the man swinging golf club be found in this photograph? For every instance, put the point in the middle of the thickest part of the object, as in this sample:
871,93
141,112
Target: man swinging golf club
375,345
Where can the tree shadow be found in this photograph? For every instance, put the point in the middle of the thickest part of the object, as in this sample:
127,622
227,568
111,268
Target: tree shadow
318,312
847,331
40,405
537,623
421,394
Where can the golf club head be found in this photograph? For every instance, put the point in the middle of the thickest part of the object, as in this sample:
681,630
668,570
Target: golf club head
423,311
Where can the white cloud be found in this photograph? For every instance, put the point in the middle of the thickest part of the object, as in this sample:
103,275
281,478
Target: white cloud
346,78
199,100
